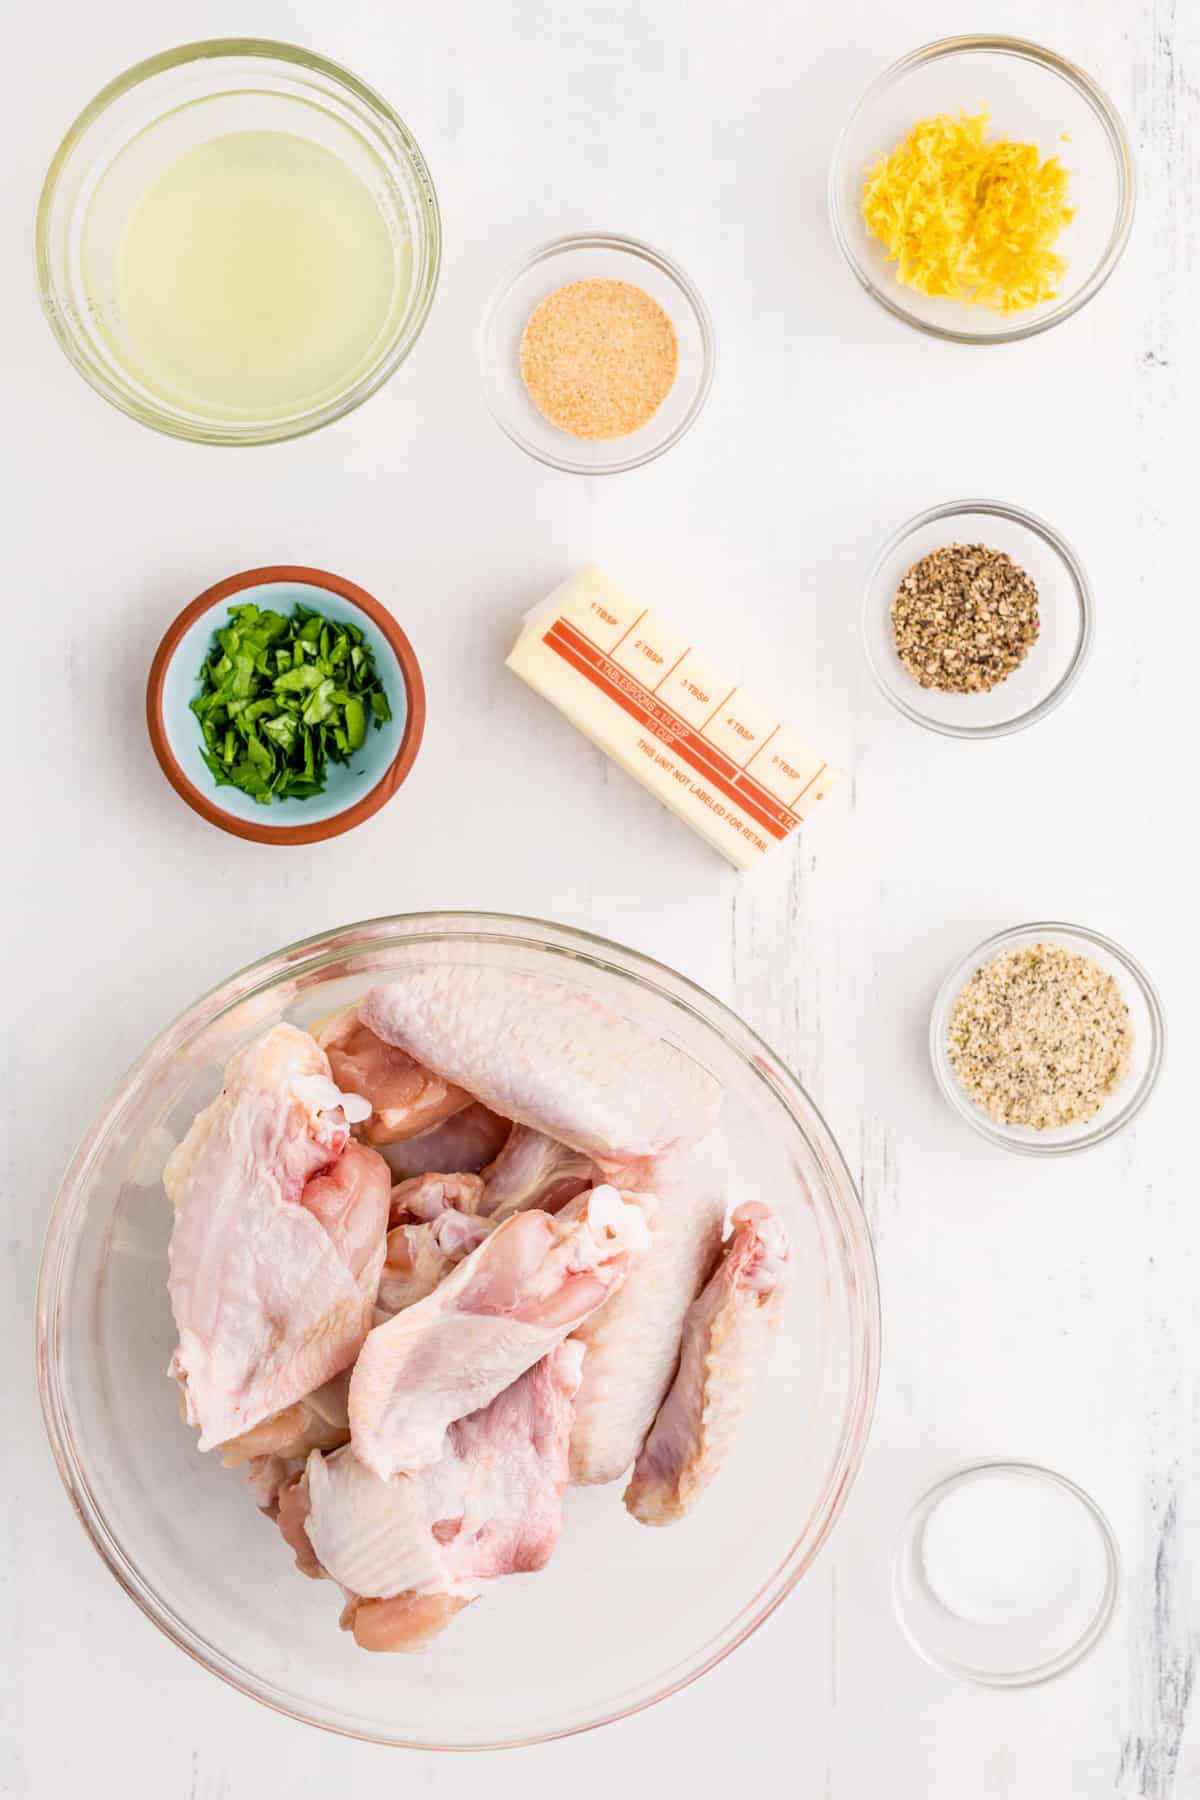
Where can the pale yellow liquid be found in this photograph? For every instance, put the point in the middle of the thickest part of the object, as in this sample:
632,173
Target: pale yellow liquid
257,277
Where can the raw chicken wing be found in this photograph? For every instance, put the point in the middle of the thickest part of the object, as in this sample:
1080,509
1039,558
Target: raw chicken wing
534,1170
291,1516
410,1374
726,1341
548,1056
278,1240
633,1340
405,1622
412,1552
532,1281
427,1196
405,1098
348,1200
318,1422
267,1476
420,1256
463,1144
434,1226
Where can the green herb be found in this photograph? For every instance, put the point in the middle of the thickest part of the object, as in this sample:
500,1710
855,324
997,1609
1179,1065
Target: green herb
279,698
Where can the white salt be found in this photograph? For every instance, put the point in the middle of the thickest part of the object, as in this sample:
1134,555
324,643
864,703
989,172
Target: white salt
1004,1548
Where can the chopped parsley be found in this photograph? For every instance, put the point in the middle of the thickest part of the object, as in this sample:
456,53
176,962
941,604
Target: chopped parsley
282,697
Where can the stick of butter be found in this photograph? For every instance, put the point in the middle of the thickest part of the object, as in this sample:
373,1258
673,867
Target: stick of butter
653,703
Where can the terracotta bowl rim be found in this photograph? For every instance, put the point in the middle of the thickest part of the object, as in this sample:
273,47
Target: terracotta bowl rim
320,829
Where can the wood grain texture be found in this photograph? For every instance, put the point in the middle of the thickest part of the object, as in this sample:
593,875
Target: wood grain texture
1049,1312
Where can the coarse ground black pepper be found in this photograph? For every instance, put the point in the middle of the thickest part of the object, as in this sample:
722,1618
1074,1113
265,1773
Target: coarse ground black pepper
964,618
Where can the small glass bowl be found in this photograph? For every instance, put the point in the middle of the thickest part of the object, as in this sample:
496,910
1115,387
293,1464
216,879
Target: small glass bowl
1145,1015
593,256
1032,95
1016,1652
1052,665
169,104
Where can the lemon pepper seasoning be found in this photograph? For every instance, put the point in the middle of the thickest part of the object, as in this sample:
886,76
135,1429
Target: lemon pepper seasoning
1040,1037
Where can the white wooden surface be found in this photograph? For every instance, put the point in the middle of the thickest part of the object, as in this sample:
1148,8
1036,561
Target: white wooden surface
1043,1310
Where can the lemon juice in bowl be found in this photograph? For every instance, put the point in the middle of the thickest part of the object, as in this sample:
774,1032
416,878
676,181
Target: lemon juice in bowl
256,275
237,241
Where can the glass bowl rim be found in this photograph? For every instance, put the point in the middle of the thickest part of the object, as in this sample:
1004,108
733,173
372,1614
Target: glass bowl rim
599,240
1084,1644
218,49
574,944
1103,1127
1081,586
1089,91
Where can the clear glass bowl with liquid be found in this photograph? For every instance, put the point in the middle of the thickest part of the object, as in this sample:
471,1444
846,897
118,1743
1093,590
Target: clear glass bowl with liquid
623,1615
237,242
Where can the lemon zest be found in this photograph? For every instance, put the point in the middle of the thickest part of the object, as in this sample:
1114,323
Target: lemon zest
969,218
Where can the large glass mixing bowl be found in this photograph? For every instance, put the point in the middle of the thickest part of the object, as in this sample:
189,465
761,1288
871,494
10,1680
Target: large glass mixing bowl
623,1615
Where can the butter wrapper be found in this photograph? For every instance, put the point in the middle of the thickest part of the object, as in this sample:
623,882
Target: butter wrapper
660,709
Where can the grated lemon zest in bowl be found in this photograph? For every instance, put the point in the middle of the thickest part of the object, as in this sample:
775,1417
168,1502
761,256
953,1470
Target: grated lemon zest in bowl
968,218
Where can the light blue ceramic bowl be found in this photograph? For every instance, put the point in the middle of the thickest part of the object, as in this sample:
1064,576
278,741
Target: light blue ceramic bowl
354,790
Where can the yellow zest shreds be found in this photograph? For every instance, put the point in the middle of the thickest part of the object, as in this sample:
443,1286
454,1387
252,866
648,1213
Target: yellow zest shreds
965,219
